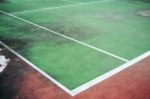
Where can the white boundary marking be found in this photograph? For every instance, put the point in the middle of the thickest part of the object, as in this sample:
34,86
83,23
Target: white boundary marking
38,69
50,8
67,37
88,84
108,74
3,63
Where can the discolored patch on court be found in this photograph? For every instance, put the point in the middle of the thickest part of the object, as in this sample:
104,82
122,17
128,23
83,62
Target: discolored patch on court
68,28
11,76
144,13
132,83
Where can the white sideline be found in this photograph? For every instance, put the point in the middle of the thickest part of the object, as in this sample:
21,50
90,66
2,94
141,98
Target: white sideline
49,8
88,84
67,37
108,74
38,69
72,1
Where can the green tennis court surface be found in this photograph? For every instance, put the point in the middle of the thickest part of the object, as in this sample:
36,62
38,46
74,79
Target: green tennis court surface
75,41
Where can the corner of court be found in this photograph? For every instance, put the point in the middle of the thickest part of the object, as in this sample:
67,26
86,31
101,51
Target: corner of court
132,82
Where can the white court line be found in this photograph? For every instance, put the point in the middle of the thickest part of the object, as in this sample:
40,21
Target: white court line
108,74
72,1
38,69
59,7
88,84
67,37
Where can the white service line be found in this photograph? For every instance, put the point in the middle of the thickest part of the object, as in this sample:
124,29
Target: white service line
50,8
67,37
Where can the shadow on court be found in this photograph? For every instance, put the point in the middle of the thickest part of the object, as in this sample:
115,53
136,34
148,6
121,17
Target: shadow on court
11,76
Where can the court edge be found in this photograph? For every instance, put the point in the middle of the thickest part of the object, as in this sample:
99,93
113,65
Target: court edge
88,84
38,69
42,72
67,37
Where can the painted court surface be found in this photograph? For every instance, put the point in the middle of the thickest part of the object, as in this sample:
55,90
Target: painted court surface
27,83
75,41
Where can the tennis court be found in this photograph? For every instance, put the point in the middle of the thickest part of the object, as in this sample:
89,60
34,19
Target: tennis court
72,42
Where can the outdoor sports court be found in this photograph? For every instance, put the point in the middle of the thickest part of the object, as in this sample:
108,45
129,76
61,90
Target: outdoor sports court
76,43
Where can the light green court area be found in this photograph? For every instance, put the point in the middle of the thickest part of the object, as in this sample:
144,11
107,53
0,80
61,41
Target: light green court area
117,27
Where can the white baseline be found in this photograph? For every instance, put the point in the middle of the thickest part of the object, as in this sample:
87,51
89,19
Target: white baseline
86,85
